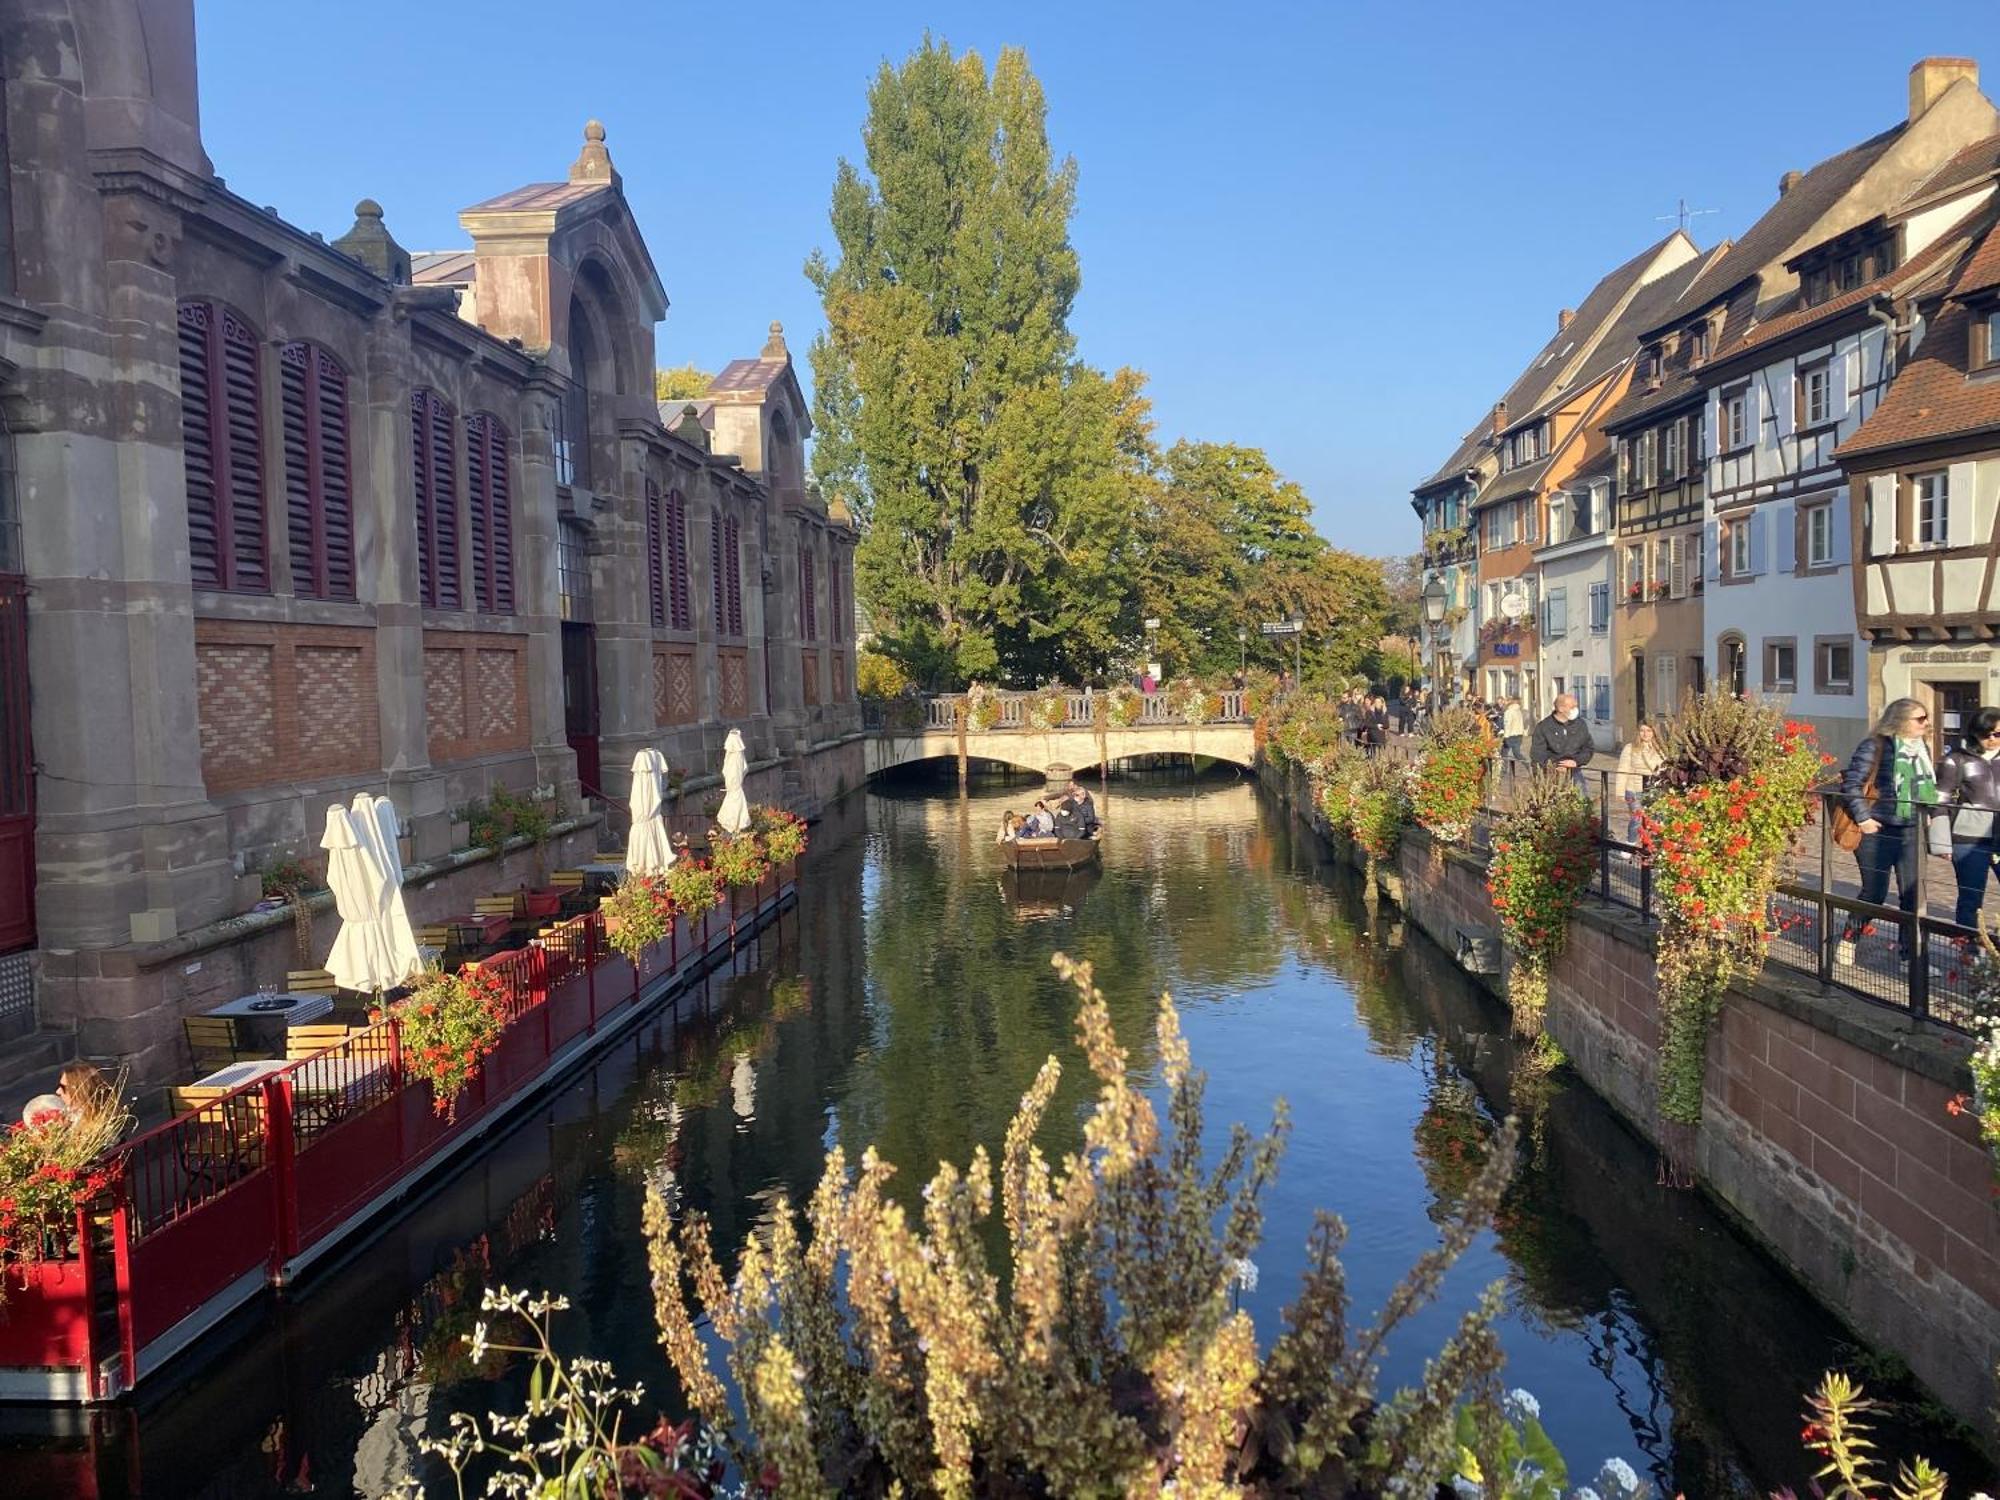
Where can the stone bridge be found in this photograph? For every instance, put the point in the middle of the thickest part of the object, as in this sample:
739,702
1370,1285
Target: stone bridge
1009,729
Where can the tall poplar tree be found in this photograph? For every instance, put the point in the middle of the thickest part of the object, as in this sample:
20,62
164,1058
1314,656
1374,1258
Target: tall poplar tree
993,472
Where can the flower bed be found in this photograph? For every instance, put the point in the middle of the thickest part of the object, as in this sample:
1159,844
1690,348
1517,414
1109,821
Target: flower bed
1450,781
739,861
450,1024
1735,786
48,1169
694,888
783,833
1048,709
637,914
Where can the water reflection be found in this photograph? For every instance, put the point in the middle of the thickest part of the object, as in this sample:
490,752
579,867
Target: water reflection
908,1002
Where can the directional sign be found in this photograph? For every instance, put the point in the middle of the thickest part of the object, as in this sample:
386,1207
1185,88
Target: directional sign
1282,627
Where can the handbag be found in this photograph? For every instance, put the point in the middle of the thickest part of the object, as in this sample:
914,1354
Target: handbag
1845,831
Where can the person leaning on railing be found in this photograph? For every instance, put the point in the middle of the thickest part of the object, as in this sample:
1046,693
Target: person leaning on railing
1638,763
1968,783
1888,785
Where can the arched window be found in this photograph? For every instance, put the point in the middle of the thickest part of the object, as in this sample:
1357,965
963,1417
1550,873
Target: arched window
319,504
489,494
222,439
1735,658
656,567
680,607
432,423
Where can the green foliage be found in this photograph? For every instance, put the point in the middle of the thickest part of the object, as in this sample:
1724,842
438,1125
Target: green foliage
681,383
694,887
879,677
290,877
1540,868
637,914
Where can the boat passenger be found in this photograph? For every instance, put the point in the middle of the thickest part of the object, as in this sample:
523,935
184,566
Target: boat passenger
1010,828
1040,824
1086,807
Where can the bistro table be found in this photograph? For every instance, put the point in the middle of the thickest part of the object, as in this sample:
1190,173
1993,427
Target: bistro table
239,1073
262,1025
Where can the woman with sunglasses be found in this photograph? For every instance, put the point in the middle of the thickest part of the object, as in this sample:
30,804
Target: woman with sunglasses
1969,783
1889,788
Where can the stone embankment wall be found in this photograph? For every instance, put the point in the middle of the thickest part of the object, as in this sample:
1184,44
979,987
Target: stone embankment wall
1825,1129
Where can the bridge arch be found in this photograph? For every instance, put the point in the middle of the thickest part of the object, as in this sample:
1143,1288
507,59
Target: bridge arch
1079,748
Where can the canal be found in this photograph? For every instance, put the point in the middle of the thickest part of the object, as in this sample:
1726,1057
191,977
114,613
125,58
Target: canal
907,1001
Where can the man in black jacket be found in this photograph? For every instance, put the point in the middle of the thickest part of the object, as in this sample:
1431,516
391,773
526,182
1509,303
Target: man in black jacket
1563,739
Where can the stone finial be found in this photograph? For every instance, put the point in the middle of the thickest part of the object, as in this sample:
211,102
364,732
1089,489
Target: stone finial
593,163
370,242
774,346
838,513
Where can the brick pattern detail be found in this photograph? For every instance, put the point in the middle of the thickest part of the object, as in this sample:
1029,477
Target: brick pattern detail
675,700
475,694
733,668
809,677
282,703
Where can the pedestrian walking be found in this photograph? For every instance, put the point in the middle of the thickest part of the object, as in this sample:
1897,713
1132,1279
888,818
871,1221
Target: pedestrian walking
1889,784
1968,785
1513,728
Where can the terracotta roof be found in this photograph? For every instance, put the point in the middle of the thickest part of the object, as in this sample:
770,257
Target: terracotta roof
1980,159
1933,396
1683,380
1941,251
541,196
1982,271
443,267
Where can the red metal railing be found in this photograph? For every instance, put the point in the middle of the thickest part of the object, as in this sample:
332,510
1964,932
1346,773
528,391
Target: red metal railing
248,1183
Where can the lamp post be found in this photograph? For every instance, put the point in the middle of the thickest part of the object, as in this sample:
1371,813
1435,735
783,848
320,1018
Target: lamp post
1242,651
1436,597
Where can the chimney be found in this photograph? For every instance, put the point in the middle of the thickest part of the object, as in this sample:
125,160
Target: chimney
1791,179
1499,417
1563,315
1933,75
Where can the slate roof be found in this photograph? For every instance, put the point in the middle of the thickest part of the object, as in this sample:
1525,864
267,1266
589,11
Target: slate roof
1523,480
749,375
443,268
540,197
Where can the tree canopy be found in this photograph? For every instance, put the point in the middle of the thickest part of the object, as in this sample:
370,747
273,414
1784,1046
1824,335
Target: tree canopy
1018,520
681,383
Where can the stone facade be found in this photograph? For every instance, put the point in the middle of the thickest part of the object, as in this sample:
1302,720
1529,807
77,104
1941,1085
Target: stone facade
300,518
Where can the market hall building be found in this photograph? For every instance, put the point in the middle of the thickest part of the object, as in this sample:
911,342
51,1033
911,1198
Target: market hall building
284,518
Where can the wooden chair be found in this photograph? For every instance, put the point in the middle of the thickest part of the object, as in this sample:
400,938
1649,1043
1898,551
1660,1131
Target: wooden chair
304,1041
310,982
214,1042
436,935
221,1148
496,906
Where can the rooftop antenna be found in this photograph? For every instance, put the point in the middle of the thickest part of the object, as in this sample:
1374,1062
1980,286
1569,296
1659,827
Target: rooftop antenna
1682,214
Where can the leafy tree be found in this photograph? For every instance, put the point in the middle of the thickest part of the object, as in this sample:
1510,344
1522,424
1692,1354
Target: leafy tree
681,383
992,470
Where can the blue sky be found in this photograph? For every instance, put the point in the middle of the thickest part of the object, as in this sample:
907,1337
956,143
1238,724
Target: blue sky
1334,231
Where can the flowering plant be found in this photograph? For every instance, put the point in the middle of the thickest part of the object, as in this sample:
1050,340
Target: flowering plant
739,860
1635,592
1378,803
448,1024
1984,1105
1048,708
1194,700
1334,775
693,886
783,833
637,914
982,707
1450,778
48,1170
1734,787
1123,704
1542,851
1303,729
1659,588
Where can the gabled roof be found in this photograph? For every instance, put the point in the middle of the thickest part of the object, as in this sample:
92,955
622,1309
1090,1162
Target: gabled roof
1982,269
444,268
1979,160
1682,379
542,197
1523,479
748,375
1934,396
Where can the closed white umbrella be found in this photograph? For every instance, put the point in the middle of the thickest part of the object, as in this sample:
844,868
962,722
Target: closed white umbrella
375,825
734,816
648,851
362,958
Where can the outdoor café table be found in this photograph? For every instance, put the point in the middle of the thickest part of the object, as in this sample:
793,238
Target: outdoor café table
603,873
239,1073
262,1026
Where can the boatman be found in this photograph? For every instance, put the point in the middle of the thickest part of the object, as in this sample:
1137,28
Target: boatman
1085,807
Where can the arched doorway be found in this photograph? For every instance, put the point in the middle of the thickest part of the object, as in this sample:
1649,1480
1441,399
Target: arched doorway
1734,658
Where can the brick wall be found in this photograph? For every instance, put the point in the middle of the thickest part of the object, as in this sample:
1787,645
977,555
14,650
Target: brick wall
475,694
1824,1128
733,671
283,703
675,697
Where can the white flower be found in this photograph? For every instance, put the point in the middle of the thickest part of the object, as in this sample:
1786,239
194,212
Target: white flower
1618,1477
1586,1493
1243,1271
1521,1405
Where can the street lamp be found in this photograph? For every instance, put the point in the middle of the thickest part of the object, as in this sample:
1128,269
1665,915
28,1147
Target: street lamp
1436,597
1242,650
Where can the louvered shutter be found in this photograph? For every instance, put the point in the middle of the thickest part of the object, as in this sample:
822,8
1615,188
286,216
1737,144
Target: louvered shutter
1962,483
436,485
500,513
490,513
248,569
1711,558
1677,566
679,615
1784,526
656,576
198,446
319,509
1882,515
1755,522
715,574
732,564
478,541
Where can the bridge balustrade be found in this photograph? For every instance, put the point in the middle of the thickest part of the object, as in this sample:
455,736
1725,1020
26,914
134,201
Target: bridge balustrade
1012,712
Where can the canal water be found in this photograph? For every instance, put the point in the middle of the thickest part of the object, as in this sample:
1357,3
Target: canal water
907,1002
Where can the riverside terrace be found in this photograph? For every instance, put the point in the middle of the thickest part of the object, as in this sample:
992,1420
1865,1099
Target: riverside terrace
246,1188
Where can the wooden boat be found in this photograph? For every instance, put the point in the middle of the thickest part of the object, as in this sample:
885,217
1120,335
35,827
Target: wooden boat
1051,854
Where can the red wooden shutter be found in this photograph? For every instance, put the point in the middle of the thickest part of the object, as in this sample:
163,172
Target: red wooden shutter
436,485
715,575
656,576
490,503
679,614
318,501
808,614
223,442
198,446
732,565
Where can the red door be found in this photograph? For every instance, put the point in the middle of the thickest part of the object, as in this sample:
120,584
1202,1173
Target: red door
17,774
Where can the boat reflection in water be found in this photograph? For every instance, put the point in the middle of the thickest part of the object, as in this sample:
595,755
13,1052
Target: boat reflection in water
1042,895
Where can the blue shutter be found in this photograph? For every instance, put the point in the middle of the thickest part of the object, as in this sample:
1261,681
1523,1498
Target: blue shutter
1755,521
1783,524
1711,557
1840,531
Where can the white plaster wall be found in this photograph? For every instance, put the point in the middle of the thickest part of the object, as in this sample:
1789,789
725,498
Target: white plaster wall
1580,652
1920,229
1782,604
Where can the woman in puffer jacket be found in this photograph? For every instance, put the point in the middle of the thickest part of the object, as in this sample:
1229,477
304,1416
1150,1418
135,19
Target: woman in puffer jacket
1969,784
